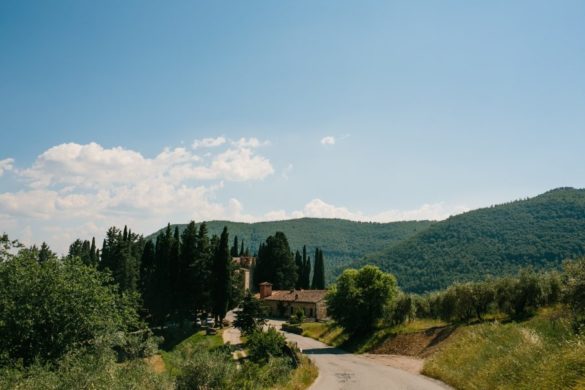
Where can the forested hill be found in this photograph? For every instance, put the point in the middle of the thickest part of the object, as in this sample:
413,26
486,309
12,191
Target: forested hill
342,241
539,232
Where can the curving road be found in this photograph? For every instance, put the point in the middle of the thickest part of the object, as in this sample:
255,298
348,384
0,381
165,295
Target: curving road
339,369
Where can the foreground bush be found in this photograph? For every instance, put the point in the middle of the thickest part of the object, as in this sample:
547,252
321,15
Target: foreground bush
49,309
265,345
82,369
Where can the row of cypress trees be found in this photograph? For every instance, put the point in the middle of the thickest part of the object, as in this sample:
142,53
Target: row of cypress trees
188,273
181,274
176,276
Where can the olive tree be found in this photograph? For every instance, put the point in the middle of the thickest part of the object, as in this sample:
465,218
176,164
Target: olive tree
359,297
49,308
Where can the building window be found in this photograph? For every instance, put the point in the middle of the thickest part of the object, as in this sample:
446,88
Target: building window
291,310
310,312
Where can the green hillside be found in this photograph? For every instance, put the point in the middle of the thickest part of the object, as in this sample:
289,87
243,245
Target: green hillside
342,241
539,232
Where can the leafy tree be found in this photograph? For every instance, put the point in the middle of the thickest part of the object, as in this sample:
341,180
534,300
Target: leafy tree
402,309
358,298
48,308
252,316
7,246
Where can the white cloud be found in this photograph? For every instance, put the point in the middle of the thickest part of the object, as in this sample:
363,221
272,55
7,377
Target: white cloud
329,140
235,165
74,190
6,165
317,208
71,184
286,171
209,142
249,143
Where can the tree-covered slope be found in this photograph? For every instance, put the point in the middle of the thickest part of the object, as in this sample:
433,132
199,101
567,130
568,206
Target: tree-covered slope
539,232
342,241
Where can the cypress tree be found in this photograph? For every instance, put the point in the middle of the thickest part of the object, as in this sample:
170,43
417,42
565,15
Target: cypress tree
200,275
92,252
306,282
300,270
186,289
174,271
319,271
222,276
242,249
234,250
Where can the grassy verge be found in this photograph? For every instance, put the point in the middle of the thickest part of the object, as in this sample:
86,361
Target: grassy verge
541,353
332,334
197,341
302,377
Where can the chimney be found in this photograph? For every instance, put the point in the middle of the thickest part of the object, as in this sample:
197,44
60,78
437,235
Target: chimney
265,290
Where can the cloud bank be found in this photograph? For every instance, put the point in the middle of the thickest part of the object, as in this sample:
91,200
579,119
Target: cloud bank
78,190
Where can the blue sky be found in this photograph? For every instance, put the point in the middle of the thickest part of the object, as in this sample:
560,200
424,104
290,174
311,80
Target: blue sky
434,107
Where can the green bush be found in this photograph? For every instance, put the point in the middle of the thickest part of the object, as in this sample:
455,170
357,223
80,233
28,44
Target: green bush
48,309
84,369
207,370
265,345
292,328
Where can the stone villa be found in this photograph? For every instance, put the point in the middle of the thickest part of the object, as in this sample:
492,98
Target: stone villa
284,303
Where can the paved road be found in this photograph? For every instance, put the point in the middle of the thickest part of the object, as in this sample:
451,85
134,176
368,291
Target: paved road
342,370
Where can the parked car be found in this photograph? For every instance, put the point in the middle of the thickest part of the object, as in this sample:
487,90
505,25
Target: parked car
198,323
209,322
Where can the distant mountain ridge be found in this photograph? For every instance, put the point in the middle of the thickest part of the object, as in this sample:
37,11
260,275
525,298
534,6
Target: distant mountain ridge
342,241
424,255
540,232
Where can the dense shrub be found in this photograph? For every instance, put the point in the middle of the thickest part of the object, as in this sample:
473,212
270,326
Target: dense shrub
401,310
207,370
574,291
48,309
264,345
84,369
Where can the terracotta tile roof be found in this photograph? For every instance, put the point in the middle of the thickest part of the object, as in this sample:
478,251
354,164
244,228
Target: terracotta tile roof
308,296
